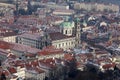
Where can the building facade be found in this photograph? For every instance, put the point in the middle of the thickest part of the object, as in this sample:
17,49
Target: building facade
36,40
68,37
96,6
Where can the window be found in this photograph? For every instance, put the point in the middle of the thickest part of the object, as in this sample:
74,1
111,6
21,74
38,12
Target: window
70,31
78,35
59,45
62,44
66,32
46,37
78,27
71,42
19,38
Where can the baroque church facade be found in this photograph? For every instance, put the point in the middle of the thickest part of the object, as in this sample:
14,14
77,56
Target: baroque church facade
67,38
69,35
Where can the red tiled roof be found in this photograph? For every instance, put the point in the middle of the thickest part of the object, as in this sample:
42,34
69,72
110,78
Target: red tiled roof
11,56
50,50
107,66
47,64
12,70
58,36
39,70
99,60
3,52
4,45
18,47
101,52
48,60
68,57
6,34
35,63
50,63
82,56
28,66
4,72
89,55
19,63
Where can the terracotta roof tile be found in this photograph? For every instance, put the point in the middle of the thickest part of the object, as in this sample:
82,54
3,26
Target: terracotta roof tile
58,36
6,34
4,45
68,57
39,70
12,70
50,64
50,50
107,66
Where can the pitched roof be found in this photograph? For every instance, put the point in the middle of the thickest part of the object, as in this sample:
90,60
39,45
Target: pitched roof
50,65
12,70
107,66
101,53
68,57
4,45
33,36
50,50
18,47
7,34
58,36
24,48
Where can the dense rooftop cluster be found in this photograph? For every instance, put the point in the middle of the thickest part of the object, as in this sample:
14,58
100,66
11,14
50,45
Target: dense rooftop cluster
57,39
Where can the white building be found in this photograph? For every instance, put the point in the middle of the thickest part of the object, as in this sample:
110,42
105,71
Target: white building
67,28
36,74
63,41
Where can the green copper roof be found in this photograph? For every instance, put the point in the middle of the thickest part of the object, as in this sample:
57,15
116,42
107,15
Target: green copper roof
67,24
77,19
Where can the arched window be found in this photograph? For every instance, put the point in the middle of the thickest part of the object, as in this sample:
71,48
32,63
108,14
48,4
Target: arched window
66,32
62,44
59,45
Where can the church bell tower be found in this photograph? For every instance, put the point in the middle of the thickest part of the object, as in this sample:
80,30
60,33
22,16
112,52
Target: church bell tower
77,33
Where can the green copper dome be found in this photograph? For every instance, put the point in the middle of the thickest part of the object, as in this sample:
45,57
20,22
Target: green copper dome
67,25
77,19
